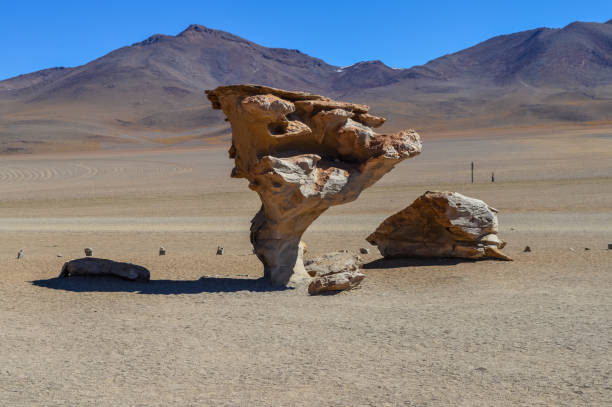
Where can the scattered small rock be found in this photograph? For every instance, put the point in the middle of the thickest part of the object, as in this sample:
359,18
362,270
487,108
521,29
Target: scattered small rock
609,246
572,249
59,255
88,251
162,251
20,254
364,250
587,248
219,250
527,249
481,369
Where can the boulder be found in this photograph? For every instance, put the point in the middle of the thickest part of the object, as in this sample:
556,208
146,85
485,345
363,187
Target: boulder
302,153
332,263
441,224
335,282
335,271
91,266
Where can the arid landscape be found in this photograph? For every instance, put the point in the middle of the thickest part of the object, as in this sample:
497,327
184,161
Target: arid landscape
207,331
124,154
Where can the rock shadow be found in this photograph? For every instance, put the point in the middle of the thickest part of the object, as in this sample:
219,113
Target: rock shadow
413,262
82,284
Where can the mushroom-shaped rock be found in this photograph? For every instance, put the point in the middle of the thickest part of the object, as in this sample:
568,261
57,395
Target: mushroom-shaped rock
302,153
441,224
91,266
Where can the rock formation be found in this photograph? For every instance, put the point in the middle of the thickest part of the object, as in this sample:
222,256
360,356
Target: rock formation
335,271
441,224
302,153
91,266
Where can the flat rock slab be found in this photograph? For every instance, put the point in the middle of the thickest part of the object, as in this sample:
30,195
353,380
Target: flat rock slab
91,266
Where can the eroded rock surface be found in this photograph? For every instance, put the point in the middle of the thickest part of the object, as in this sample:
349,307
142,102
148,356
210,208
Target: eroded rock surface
441,224
302,153
335,271
91,266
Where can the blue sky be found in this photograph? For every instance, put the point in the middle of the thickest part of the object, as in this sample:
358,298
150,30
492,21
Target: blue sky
42,34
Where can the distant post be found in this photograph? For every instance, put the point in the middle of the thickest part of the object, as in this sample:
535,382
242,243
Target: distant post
472,172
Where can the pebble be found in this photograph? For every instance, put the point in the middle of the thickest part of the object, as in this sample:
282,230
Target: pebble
364,250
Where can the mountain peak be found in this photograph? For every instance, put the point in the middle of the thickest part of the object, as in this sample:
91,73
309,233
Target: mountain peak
196,28
608,22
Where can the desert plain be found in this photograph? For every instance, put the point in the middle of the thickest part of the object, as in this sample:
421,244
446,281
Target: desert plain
207,331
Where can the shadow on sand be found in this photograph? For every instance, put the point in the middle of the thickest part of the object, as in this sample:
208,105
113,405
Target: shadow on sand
164,287
413,262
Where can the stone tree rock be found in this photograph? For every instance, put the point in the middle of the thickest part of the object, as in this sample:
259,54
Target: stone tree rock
441,224
302,153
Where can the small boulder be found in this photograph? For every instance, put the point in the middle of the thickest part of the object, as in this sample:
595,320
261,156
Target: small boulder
88,251
162,251
336,282
90,266
332,263
20,254
220,250
527,249
364,250
337,271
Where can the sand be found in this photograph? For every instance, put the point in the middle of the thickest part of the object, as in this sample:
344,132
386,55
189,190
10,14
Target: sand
207,331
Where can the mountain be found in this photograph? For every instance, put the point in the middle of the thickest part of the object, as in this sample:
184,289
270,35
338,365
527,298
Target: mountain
151,93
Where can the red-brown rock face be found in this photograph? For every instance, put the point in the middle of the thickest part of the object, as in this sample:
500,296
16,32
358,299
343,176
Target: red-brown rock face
302,153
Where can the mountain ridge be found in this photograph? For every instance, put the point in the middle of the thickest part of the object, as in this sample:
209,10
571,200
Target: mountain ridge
153,89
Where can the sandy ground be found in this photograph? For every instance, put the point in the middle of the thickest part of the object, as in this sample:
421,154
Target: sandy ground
207,331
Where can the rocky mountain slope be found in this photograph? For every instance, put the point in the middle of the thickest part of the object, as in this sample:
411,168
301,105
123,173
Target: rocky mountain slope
151,93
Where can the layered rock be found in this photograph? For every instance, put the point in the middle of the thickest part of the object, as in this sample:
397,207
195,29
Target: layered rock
302,153
337,271
441,224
